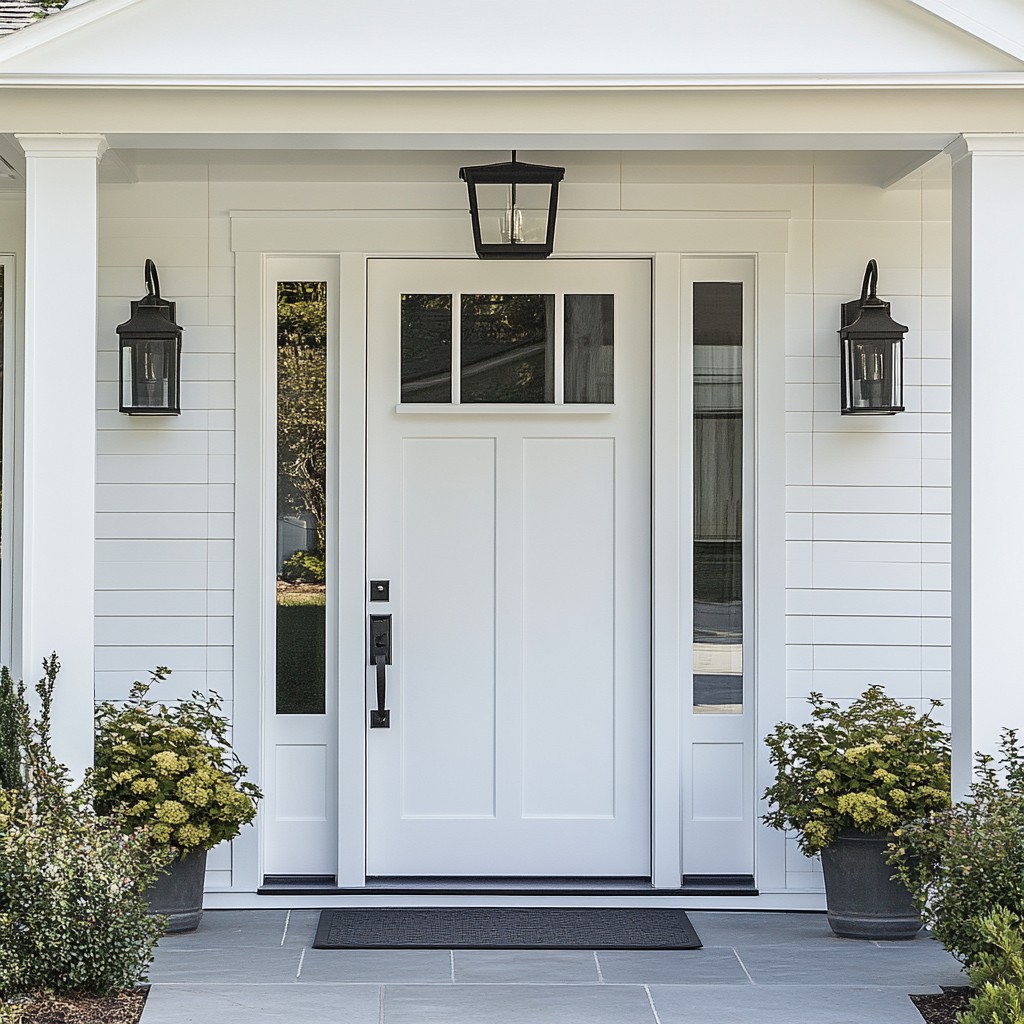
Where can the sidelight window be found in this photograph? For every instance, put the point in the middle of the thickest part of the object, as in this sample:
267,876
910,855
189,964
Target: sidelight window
718,497
301,497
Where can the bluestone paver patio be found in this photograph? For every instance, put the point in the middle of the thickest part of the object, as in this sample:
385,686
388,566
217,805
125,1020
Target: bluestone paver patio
250,966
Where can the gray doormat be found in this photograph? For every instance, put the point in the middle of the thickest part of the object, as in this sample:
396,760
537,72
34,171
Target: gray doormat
505,928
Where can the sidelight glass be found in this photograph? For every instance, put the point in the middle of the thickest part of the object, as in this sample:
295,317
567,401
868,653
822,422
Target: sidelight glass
301,497
589,348
507,348
3,339
426,348
717,497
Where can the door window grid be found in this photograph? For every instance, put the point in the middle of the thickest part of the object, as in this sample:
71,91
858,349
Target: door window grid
510,349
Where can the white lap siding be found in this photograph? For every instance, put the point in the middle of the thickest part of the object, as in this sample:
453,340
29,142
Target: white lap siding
867,499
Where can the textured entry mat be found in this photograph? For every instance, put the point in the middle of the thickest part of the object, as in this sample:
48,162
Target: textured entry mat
505,928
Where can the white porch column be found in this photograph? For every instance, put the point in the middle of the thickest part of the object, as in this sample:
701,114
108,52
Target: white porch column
988,441
59,439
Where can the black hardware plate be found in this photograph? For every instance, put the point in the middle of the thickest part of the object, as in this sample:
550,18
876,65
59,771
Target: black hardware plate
380,637
380,590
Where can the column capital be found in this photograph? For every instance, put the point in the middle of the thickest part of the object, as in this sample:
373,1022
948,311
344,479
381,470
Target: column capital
69,145
995,144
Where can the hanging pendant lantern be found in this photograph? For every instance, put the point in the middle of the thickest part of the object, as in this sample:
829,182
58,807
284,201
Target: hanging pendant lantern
871,349
150,354
513,207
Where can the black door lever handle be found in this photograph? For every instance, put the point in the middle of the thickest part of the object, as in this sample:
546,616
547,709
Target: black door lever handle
380,658
381,718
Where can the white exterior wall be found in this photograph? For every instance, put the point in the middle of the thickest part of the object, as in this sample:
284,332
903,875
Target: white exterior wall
868,498
867,540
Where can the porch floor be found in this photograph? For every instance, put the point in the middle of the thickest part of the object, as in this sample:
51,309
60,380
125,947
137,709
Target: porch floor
247,966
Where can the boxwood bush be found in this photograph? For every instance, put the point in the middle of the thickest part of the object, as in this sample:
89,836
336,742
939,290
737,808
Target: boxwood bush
73,916
963,862
998,976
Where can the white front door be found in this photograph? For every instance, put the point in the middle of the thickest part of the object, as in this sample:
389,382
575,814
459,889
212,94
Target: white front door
509,509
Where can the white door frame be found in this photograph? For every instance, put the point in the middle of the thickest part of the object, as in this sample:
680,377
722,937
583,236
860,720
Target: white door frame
664,238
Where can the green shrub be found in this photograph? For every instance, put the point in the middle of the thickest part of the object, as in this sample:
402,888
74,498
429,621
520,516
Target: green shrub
73,916
869,767
998,975
304,567
72,913
968,859
170,768
12,728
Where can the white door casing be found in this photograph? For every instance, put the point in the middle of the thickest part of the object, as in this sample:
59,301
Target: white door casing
517,546
360,239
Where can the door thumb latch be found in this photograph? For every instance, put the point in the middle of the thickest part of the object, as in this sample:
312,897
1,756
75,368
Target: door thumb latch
380,658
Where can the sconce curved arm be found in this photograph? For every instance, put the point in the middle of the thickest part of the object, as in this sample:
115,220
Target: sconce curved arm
870,275
152,280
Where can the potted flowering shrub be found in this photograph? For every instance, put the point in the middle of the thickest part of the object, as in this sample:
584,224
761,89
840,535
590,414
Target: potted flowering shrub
844,782
170,768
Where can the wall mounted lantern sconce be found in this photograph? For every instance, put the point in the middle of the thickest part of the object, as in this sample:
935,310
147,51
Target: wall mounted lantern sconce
871,349
518,203
150,354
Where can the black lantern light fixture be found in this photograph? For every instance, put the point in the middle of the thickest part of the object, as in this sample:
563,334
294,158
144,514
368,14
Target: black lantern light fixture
871,349
150,354
513,207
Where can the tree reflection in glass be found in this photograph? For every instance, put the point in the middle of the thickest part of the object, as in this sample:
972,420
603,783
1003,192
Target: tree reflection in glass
426,348
508,348
301,497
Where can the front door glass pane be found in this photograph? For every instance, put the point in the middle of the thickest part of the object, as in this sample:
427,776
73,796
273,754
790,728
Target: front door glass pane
426,348
717,498
508,348
589,348
301,497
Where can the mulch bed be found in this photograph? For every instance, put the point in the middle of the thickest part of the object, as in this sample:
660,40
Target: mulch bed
944,1009
119,1008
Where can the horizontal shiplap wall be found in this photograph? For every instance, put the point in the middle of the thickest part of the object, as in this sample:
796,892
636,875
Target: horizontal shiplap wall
867,499
165,485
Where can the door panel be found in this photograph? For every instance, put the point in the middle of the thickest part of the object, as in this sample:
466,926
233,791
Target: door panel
447,659
516,539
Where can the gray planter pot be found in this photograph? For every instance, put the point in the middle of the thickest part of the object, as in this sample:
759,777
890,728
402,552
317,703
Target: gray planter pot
863,900
178,893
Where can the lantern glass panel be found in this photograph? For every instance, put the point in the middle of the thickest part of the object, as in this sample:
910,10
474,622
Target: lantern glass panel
149,374
150,383
874,378
516,214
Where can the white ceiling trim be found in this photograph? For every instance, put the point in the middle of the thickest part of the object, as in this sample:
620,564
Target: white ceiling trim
926,144
956,17
991,79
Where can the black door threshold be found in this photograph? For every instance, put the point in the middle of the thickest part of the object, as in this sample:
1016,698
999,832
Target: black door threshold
321,885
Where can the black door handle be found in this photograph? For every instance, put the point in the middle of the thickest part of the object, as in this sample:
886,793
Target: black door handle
380,658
